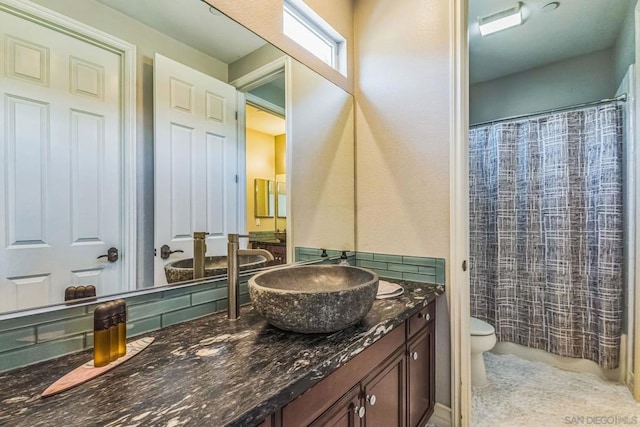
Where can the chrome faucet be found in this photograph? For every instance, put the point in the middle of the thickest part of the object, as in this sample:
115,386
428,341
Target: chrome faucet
199,251
233,276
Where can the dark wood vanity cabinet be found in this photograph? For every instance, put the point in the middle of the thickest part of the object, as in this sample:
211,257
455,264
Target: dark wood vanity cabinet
344,413
421,376
378,400
278,250
391,383
383,395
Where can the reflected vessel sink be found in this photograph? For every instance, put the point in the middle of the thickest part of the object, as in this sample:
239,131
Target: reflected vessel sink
281,236
314,298
182,269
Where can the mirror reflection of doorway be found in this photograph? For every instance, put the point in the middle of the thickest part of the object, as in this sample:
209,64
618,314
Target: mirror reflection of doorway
266,168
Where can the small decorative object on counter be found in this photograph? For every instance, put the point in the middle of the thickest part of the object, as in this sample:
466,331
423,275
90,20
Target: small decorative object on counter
122,327
101,335
89,370
109,332
343,258
324,253
113,331
388,290
89,291
78,292
70,293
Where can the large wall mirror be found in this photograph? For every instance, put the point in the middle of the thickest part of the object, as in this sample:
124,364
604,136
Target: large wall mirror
96,189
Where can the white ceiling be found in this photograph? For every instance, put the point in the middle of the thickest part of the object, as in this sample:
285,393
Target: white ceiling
264,122
575,28
191,22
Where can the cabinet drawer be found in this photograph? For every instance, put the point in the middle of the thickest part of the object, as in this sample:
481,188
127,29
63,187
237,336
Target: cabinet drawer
422,318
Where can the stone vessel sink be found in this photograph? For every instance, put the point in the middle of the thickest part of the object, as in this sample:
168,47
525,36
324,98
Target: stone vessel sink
182,269
314,298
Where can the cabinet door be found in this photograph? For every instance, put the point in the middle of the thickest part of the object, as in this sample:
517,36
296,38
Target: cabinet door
279,253
273,420
384,394
315,403
421,376
346,412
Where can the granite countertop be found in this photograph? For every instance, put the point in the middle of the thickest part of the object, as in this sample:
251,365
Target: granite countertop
210,371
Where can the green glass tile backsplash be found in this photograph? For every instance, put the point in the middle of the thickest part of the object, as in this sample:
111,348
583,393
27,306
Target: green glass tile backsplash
30,339
417,269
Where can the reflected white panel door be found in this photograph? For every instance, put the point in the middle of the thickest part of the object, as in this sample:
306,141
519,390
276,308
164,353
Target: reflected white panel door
196,161
60,164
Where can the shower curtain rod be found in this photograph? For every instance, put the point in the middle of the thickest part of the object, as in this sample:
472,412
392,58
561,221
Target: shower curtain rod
620,98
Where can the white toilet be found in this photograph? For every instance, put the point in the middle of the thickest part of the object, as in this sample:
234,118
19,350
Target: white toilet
483,338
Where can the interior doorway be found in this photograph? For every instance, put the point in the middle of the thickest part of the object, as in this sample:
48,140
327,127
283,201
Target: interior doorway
266,177
265,94
559,87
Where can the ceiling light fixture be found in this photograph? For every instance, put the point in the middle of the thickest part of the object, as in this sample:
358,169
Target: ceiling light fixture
500,21
550,7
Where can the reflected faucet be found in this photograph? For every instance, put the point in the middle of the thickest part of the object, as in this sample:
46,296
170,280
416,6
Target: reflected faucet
199,251
233,276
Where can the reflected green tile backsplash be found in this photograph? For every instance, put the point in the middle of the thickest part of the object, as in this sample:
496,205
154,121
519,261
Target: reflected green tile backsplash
35,338
30,339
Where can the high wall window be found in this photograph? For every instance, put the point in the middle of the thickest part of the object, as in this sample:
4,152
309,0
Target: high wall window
306,28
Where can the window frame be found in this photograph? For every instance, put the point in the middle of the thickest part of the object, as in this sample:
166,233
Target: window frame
320,29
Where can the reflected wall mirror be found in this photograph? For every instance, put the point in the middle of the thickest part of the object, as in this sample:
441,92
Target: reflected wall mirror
265,198
125,131
281,200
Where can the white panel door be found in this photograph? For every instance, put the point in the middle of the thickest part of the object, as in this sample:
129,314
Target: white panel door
60,164
196,161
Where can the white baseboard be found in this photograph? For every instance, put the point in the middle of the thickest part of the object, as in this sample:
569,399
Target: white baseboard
441,416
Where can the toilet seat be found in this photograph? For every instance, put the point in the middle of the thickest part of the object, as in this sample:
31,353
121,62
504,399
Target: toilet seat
479,327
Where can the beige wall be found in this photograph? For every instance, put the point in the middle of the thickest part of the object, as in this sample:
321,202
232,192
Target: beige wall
253,61
321,168
261,162
402,127
265,19
584,78
281,154
402,139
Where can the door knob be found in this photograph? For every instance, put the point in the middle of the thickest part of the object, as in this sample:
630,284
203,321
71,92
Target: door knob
371,399
414,355
165,251
111,255
360,411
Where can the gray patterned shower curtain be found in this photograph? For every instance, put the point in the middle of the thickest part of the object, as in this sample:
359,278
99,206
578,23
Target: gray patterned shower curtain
546,231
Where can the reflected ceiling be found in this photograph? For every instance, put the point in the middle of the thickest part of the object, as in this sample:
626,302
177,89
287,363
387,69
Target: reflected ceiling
575,28
264,122
222,38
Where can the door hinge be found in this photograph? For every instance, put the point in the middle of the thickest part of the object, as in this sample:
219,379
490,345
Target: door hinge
464,265
236,115
236,179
